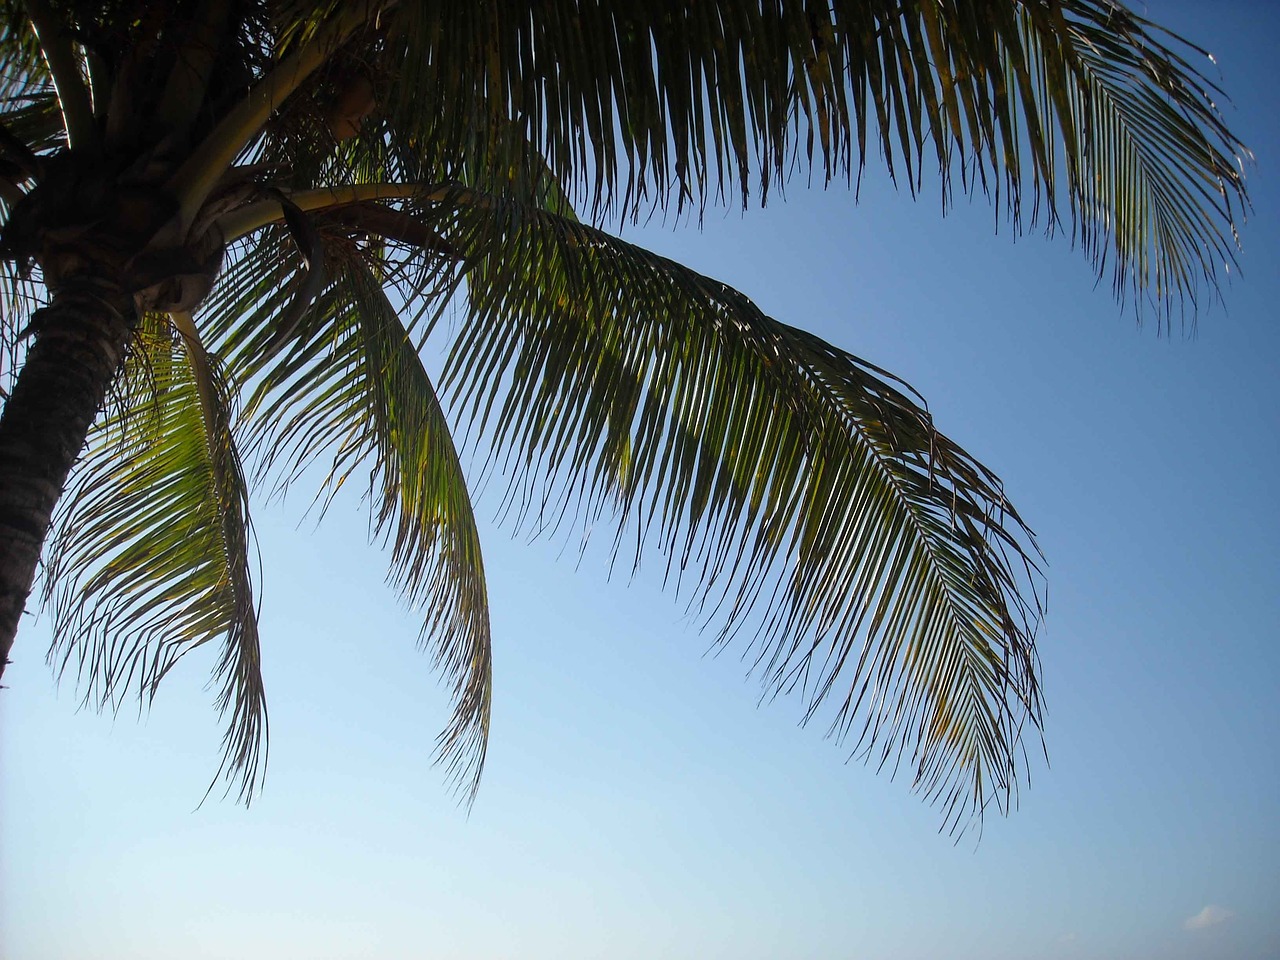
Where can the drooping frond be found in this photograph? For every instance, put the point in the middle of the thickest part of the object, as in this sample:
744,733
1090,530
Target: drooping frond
151,553
874,565
348,391
1076,109
1161,189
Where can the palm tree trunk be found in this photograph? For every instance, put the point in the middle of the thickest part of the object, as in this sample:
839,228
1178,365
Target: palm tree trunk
79,341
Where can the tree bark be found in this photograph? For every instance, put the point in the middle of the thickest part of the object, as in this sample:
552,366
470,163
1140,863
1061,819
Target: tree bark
78,343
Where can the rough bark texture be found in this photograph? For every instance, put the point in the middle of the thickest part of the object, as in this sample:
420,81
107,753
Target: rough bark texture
79,341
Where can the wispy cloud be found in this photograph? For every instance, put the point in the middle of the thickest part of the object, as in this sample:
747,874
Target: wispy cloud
1210,916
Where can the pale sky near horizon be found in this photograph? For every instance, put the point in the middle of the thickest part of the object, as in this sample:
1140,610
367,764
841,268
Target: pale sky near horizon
637,803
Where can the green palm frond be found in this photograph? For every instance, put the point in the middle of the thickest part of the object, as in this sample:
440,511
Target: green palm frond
1076,110
351,391
151,553
1162,163
873,563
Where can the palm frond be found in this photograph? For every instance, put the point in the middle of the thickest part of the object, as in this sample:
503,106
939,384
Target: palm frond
1166,190
151,555
350,390
872,563
1066,110
23,71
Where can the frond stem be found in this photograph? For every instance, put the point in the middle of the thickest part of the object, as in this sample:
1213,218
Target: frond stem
68,81
196,178
99,83
254,216
185,325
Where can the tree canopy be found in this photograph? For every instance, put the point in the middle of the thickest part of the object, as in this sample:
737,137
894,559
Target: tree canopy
230,225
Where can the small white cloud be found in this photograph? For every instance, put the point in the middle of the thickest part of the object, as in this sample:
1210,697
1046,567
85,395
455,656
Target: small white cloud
1210,916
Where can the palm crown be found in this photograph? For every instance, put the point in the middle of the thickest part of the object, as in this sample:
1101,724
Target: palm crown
229,225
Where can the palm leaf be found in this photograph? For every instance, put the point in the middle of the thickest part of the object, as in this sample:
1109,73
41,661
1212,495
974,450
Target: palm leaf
1155,146
872,563
351,391
23,70
1066,110
151,552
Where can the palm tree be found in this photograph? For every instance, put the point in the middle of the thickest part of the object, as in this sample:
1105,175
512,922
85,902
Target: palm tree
230,225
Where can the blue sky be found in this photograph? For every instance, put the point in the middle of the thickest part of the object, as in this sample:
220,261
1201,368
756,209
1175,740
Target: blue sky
637,802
